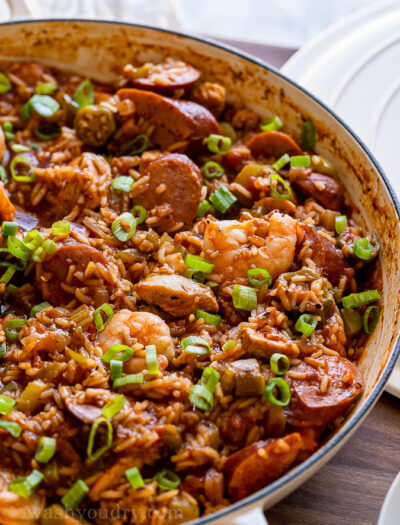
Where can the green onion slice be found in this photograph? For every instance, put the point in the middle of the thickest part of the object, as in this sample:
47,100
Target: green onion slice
105,309
3,174
340,224
6,404
352,321
92,436
8,275
279,363
271,124
116,369
200,277
122,183
282,161
114,406
284,392
46,449
151,359
84,94
47,131
300,161
244,297
31,177
370,325
134,477
61,228
13,328
202,209
218,143
355,300
33,239
259,277
194,344
13,428
306,324
210,378
307,137
363,248
20,148
49,246
17,248
44,105
9,228
3,349
231,343
167,479
201,397
39,307
135,147
5,84
26,485
212,319
212,170
139,213
130,379
75,495
222,199
118,353
198,263
124,227
47,88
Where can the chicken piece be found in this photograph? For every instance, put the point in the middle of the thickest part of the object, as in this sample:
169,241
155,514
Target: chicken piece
262,344
244,377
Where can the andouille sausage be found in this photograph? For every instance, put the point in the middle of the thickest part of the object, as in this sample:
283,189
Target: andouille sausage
259,464
313,405
273,144
322,188
176,294
163,78
326,256
175,120
172,192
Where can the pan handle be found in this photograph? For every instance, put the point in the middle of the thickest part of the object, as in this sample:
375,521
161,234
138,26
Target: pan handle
254,516
24,9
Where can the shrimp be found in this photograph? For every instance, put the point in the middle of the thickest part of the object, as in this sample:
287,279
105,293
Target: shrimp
7,210
235,247
15,510
128,328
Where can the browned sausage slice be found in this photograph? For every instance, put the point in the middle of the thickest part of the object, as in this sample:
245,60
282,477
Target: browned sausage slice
164,77
326,256
172,192
311,406
273,144
259,464
322,188
51,274
174,120
176,295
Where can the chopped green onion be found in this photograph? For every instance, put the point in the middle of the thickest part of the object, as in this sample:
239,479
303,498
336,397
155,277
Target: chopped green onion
47,131
46,449
33,239
49,246
75,495
231,343
114,406
61,228
10,289
307,137
31,177
279,363
222,199
139,213
306,324
203,208
218,143
124,227
26,485
5,84
7,126
47,88
98,318
13,328
8,275
271,124
300,161
116,369
167,479
340,224
17,248
13,428
118,353
130,379
259,277
3,349
210,378
369,326
92,436
141,142
6,404
84,94
195,345
151,359
20,148
43,105
25,111
284,392
244,297
134,478
212,170
212,319
354,300
122,183
200,277
363,248
201,397
198,263
39,307
352,321
282,161
3,174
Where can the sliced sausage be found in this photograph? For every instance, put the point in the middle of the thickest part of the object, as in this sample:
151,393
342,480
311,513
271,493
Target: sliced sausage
164,77
172,192
273,144
313,404
174,120
259,464
322,188
7,210
52,272
176,295
326,256
262,345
